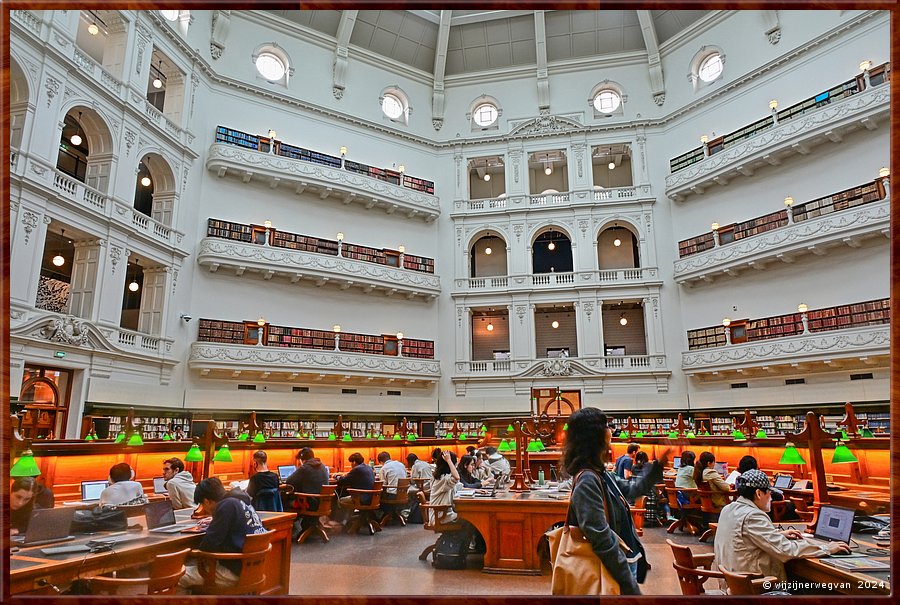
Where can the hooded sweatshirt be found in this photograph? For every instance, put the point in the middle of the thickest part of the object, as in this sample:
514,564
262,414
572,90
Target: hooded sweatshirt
181,490
309,478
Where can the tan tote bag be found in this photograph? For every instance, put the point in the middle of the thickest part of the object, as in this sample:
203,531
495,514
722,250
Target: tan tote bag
577,570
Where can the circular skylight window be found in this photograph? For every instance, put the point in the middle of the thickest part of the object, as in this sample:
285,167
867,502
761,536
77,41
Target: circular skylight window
485,114
711,67
607,101
170,15
270,66
392,106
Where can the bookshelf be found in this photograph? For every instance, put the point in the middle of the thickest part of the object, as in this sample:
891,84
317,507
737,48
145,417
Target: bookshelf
362,343
870,313
236,137
418,263
228,230
213,330
774,327
423,349
696,244
282,336
842,200
877,75
152,427
761,224
704,338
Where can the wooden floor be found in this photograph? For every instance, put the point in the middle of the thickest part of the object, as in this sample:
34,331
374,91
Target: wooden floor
387,564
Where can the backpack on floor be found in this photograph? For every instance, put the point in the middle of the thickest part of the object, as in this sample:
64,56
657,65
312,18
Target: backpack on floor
451,550
415,513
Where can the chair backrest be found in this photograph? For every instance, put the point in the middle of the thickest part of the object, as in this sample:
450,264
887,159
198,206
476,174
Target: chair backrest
705,494
400,496
253,568
741,583
671,493
690,576
162,578
799,503
268,499
313,505
435,522
358,496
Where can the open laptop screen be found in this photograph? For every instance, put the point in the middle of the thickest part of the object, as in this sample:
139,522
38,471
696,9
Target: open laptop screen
285,471
783,481
91,490
676,462
722,468
835,523
159,485
159,514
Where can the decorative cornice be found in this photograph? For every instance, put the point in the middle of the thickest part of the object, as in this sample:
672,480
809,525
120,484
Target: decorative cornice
279,359
269,261
274,169
787,136
786,242
851,342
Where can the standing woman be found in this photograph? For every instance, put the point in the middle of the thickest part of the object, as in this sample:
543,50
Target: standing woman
598,504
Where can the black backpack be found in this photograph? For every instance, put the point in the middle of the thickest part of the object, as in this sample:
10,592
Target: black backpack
451,550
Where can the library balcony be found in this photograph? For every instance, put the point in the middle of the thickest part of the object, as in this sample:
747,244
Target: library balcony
817,227
857,348
642,371
302,174
268,262
565,199
772,143
79,197
249,362
577,280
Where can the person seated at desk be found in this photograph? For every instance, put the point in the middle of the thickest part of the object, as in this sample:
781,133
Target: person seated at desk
179,483
705,471
482,469
466,468
391,471
446,476
685,476
499,465
749,462
262,477
122,490
21,504
232,520
418,469
747,541
361,476
309,478
625,462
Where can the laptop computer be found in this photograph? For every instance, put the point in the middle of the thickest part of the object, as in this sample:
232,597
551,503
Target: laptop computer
159,485
90,492
161,518
47,525
783,482
285,471
835,524
676,462
721,468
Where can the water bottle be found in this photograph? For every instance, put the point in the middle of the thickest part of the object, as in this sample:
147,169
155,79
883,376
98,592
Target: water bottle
541,477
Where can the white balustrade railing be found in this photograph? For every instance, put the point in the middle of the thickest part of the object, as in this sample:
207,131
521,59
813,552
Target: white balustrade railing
548,199
127,338
551,280
488,204
152,111
545,279
617,193
140,221
84,62
145,342
110,81
587,365
65,183
28,19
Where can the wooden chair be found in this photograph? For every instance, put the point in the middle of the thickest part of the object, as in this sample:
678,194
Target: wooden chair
269,500
746,583
436,523
317,506
710,511
802,509
253,570
162,578
685,511
362,513
396,502
637,514
693,570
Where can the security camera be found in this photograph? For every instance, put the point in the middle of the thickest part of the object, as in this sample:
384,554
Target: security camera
186,317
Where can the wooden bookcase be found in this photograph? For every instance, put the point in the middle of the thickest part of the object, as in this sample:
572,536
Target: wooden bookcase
842,200
418,348
873,312
704,338
774,327
761,224
362,343
228,230
696,244
282,336
229,332
251,332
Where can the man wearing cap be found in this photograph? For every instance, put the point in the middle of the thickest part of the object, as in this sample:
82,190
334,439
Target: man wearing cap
746,541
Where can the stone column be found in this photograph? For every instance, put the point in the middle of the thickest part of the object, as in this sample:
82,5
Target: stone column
653,326
110,288
580,172
153,300
28,233
587,318
463,333
83,286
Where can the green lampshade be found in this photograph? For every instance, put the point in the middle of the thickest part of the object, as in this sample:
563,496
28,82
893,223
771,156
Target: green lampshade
244,436
463,436
510,429
135,439
842,454
25,466
504,446
120,438
381,437
639,434
623,435
411,437
705,434
88,438
369,435
259,437
483,429
673,435
397,437
541,445
738,435
566,426
690,435
332,437
347,437
194,454
166,437
533,446
223,455
791,455
866,433
761,434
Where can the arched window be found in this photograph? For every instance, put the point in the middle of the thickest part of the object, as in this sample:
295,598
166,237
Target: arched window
395,105
707,66
272,64
607,99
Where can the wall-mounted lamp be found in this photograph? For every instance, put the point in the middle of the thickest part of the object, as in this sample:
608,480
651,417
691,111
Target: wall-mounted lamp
623,320
802,308
267,224
788,201
401,168
401,248
727,322
804,318
554,324
340,236
76,138
272,134
704,139
337,336
865,65
714,226
884,172
773,104
261,321
336,328
343,151
399,335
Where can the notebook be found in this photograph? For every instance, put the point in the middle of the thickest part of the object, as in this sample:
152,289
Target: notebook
47,525
835,524
159,485
732,478
783,482
161,518
285,471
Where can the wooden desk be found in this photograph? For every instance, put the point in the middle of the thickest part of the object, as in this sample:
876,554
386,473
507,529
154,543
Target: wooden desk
845,582
29,565
512,524
869,502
